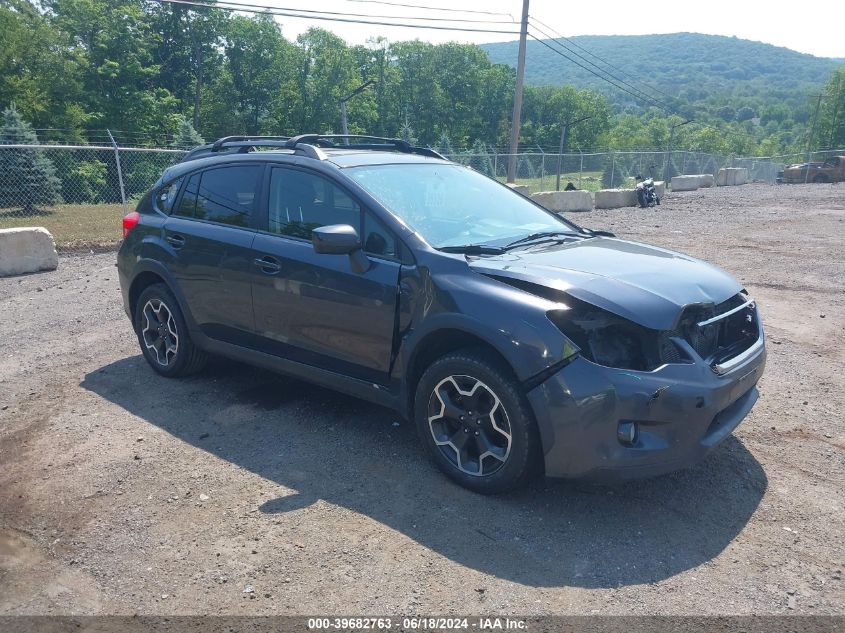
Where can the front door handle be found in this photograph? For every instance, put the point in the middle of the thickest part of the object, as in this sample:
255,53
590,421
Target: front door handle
268,265
177,241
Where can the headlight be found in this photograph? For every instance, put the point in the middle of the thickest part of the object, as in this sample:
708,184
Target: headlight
610,340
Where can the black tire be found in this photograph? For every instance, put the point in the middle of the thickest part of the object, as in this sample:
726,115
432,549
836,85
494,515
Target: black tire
172,353
508,468
821,178
641,199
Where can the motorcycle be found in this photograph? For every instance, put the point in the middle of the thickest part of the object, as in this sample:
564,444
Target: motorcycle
646,192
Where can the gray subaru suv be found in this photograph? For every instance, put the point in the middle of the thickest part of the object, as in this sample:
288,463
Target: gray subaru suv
519,343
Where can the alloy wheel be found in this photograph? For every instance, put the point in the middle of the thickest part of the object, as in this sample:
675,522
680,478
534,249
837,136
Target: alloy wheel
159,332
469,425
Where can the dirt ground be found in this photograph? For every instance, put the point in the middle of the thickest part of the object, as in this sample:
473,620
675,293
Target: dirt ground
241,492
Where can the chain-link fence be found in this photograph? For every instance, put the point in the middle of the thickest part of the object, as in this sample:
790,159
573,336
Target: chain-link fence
77,192
80,192
601,170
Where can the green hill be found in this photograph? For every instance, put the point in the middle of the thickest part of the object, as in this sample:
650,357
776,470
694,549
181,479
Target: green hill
690,66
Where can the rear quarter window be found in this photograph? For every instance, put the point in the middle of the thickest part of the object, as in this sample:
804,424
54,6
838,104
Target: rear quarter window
165,197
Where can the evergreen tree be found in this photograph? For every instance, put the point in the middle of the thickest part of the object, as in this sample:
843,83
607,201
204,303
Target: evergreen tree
444,145
614,172
406,133
480,160
186,136
29,177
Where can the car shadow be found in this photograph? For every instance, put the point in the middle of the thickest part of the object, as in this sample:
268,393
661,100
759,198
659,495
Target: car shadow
327,446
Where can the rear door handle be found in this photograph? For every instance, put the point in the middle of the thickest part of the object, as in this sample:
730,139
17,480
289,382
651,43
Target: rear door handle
177,241
268,265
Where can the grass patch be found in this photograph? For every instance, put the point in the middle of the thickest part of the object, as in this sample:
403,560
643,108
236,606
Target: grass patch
73,226
590,181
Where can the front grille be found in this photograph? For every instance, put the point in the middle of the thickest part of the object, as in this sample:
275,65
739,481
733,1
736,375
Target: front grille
723,338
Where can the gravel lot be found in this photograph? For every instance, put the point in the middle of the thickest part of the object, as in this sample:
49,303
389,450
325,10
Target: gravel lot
123,492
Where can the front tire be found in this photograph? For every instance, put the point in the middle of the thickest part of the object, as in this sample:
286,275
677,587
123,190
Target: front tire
163,334
476,424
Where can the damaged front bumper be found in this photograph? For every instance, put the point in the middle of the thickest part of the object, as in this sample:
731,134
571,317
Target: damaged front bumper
681,412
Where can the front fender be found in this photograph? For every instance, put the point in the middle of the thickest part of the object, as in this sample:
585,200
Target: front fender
513,322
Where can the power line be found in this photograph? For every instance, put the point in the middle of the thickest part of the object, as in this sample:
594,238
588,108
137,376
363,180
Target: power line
361,15
600,73
604,61
231,6
422,6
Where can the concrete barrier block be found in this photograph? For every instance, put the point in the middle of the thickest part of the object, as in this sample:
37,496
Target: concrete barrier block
564,200
684,183
27,250
731,176
660,188
705,181
616,198
520,189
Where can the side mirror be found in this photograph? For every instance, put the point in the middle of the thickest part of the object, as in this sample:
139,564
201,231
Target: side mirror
341,239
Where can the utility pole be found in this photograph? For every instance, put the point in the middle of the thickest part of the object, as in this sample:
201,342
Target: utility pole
517,98
344,124
669,149
837,100
564,135
810,139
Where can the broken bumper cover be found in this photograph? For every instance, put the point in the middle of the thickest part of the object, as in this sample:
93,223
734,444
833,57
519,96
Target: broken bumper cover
682,412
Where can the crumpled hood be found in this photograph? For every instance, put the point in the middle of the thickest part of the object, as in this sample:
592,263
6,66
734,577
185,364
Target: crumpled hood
645,284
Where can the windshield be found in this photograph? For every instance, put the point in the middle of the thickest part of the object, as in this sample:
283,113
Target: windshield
450,205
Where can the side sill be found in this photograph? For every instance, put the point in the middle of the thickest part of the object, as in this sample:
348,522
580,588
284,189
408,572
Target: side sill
377,394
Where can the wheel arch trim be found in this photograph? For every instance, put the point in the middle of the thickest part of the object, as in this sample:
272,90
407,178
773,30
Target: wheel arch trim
142,270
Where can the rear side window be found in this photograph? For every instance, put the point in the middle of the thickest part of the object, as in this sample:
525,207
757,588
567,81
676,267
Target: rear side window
301,202
223,194
188,203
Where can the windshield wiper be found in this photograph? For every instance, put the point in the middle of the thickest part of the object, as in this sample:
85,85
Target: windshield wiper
541,235
596,233
473,249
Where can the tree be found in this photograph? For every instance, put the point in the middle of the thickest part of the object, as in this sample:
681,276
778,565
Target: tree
831,124
39,69
480,158
189,47
444,145
186,136
406,133
614,172
29,178
259,61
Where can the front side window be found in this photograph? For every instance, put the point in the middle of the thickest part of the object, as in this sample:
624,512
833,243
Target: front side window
301,202
450,205
377,238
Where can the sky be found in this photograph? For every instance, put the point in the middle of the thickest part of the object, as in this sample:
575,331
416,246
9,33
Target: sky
818,31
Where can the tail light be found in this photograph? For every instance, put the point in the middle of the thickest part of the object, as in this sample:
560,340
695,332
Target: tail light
130,221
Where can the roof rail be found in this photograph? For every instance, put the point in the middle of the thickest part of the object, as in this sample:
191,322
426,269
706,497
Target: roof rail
258,140
235,145
308,144
371,142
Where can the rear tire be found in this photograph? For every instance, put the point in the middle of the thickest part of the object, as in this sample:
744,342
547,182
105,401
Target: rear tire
641,199
163,334
476,424
821,178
